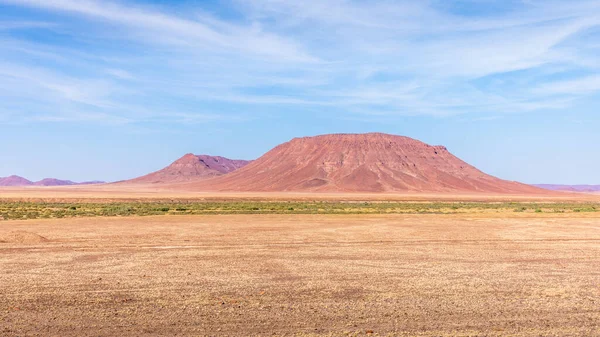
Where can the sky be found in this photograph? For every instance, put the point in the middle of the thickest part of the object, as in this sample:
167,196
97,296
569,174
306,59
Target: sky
110,90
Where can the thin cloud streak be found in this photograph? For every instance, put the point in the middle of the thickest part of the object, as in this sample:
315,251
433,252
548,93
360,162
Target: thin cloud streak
154,24
579,86
375,59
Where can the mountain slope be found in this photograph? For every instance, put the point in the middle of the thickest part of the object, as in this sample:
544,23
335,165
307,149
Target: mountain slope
191,167
372,162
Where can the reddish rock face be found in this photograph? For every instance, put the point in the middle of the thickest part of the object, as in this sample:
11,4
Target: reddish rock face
192,167
372,162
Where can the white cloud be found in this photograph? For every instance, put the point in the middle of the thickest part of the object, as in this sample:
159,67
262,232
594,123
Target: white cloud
120,74
55,86
377,58
14,25
156,26
578,86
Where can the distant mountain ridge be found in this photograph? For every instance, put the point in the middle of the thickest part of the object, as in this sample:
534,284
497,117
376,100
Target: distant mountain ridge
569,188
15,181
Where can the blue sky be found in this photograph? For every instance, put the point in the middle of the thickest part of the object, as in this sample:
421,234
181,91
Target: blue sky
110,90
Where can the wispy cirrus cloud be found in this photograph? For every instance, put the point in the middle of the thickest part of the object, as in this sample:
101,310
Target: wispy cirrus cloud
16,25
134,60
156,26
579,86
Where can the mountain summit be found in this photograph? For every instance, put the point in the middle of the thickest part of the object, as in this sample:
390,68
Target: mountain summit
191,167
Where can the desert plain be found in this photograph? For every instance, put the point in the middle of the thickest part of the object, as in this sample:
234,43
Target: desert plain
479,272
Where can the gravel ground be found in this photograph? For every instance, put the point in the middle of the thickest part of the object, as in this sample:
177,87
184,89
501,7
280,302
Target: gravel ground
302,275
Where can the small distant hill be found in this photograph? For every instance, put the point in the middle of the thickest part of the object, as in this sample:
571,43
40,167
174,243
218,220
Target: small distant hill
20,181
191,167
570,188
15,181
53,182
93,182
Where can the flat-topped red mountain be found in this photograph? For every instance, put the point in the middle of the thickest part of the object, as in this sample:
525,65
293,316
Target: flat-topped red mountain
372,162
191,167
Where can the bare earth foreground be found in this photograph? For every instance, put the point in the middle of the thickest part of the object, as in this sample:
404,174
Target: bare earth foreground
416,275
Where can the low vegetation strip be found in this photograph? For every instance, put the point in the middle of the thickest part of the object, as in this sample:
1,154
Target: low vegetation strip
15,210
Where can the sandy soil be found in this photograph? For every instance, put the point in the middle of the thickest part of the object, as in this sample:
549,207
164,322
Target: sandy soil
148,192
400,275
